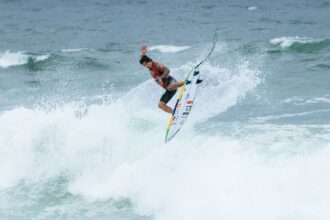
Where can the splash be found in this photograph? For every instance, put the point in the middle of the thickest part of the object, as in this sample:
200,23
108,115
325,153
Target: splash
121,124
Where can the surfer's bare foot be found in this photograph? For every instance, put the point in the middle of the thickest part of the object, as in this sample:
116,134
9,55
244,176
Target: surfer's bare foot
164,107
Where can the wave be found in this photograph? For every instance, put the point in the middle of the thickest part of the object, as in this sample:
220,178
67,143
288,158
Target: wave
263,119
115,153
169,48
286,42
252,8
194,181
114,123
74,50
8,58
321,66
307,101
301,44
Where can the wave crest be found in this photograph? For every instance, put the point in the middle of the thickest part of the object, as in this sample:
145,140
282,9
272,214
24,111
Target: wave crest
8,58
301,44
169,48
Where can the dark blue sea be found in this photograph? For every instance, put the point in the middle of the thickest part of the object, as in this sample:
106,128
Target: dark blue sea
82,137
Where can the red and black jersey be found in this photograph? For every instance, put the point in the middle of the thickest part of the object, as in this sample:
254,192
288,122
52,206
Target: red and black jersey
157,71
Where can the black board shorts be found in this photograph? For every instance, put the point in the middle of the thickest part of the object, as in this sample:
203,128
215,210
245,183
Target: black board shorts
168,95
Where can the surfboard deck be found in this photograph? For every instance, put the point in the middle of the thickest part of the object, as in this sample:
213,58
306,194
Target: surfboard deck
183,104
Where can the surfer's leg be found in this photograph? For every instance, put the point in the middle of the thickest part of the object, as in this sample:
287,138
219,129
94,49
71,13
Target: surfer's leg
172,84
164,107
175,85
166,97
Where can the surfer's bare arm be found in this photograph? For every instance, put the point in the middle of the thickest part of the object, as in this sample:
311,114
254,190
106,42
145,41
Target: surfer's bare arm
143,50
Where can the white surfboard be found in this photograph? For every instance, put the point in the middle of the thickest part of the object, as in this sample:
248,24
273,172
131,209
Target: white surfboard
186,98
183,104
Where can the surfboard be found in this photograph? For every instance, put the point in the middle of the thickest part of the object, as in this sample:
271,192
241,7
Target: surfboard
183,104
186,98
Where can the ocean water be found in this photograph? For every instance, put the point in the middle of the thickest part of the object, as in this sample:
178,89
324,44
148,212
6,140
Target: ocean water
81,136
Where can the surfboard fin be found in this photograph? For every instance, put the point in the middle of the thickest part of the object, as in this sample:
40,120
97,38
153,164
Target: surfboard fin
199,81
196,72
188,82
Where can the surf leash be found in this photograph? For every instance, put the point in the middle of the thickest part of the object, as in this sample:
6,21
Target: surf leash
215,39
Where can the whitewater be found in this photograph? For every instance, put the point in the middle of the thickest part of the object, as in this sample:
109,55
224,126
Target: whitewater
82,137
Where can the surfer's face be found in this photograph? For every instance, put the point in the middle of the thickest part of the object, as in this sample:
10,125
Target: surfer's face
147,65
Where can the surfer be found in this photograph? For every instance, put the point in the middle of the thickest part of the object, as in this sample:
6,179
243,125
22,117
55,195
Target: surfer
161,74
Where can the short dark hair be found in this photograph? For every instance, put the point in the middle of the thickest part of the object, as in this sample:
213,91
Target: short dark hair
145,58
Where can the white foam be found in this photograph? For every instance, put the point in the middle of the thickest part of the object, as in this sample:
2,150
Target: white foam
212,178
288,115
252,8
307,100
41,57
117,151
9,58
74,50
285,42
169,48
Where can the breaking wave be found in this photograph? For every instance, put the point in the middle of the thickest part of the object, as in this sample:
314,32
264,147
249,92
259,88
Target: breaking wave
8,58
169,48
301,44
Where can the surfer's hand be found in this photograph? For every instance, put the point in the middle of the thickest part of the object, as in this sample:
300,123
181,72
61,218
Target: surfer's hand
144,49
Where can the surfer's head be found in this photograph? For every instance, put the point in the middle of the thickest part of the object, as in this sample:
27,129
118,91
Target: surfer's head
146,61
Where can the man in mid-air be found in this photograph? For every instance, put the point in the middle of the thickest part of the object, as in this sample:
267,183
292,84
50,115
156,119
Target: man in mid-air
161,74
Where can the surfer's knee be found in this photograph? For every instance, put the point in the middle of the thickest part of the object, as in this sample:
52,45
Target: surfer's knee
164,107
161,105
174,85
170,87
178,84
